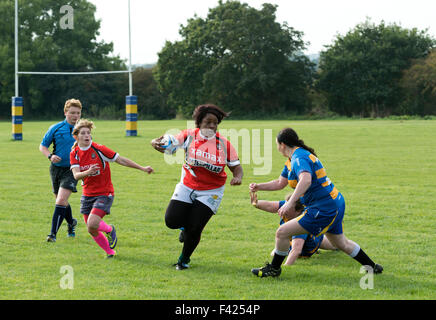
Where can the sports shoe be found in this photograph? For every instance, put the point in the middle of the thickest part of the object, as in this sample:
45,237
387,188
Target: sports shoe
182,235
72,229
51,238
181,266
112,237
267,271
378,268
111,256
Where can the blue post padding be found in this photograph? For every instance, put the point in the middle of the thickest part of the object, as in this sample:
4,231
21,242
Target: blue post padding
17,136
17,101
132,100
131,133
132,117
17,119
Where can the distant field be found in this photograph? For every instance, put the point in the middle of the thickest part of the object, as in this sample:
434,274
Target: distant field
385,170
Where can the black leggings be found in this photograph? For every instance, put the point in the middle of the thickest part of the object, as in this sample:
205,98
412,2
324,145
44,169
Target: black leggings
193,217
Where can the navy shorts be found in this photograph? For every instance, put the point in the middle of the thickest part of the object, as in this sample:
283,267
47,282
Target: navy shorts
103,203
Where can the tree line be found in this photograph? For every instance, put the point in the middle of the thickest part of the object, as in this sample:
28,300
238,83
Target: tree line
237,57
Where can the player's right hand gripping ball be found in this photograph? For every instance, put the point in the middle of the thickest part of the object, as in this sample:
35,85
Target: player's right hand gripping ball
169,143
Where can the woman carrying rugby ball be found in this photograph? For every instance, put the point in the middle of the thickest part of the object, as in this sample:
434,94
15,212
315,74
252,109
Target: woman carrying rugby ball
198,195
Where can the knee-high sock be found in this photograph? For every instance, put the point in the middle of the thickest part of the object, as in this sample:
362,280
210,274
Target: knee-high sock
279,257
69,215
58,218
359,255
103,226
191,242
103,243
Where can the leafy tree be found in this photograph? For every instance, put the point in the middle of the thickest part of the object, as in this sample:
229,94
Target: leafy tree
239,58
45,46
151,103
360,72
419,82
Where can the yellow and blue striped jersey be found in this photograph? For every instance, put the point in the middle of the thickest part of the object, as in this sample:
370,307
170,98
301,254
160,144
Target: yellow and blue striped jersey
321,191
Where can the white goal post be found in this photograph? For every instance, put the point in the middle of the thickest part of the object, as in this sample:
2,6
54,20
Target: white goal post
17,101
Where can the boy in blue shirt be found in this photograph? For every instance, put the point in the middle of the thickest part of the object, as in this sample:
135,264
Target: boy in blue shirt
60,136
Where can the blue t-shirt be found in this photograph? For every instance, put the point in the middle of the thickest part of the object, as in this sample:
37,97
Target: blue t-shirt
321,192
60,135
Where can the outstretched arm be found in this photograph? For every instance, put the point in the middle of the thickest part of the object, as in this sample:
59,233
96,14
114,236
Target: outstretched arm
274,185
131,164
269,206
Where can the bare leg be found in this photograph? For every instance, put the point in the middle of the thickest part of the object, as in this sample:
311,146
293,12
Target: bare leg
341,242
62,197
326,245
286,231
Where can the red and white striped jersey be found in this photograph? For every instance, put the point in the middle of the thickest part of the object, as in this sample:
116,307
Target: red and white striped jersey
205,159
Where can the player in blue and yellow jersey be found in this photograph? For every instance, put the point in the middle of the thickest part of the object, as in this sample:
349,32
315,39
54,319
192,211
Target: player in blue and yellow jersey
60,136
304,245
300,246
325,205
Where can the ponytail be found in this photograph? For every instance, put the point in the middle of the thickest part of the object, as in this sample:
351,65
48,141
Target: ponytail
302,145
74,145
290,138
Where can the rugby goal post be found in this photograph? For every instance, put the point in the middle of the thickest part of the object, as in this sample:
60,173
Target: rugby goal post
18,104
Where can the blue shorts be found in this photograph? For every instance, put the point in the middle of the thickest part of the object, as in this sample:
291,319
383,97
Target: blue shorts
101,203
319,220
311,244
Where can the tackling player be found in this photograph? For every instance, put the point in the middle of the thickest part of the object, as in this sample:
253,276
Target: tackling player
301,246
325,205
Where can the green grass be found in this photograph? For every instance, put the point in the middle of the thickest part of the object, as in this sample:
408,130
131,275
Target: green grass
385,169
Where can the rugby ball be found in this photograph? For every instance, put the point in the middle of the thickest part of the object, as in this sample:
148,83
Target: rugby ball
169,143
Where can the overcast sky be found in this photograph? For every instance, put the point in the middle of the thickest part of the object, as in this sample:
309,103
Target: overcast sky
155,21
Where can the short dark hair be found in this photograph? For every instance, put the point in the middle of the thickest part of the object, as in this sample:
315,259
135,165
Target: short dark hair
201,111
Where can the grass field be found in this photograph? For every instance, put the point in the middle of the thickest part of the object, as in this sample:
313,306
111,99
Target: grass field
385,170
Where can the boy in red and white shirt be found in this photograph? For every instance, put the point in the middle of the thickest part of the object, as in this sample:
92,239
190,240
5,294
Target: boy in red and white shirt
90,162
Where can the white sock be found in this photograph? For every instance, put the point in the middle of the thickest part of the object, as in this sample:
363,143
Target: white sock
282,253
355,251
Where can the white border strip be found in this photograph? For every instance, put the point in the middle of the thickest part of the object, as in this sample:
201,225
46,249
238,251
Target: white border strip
71,73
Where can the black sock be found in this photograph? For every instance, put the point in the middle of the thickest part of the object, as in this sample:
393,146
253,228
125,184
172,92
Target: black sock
364,259
69,215
183,259
58,217
277,260
190,243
